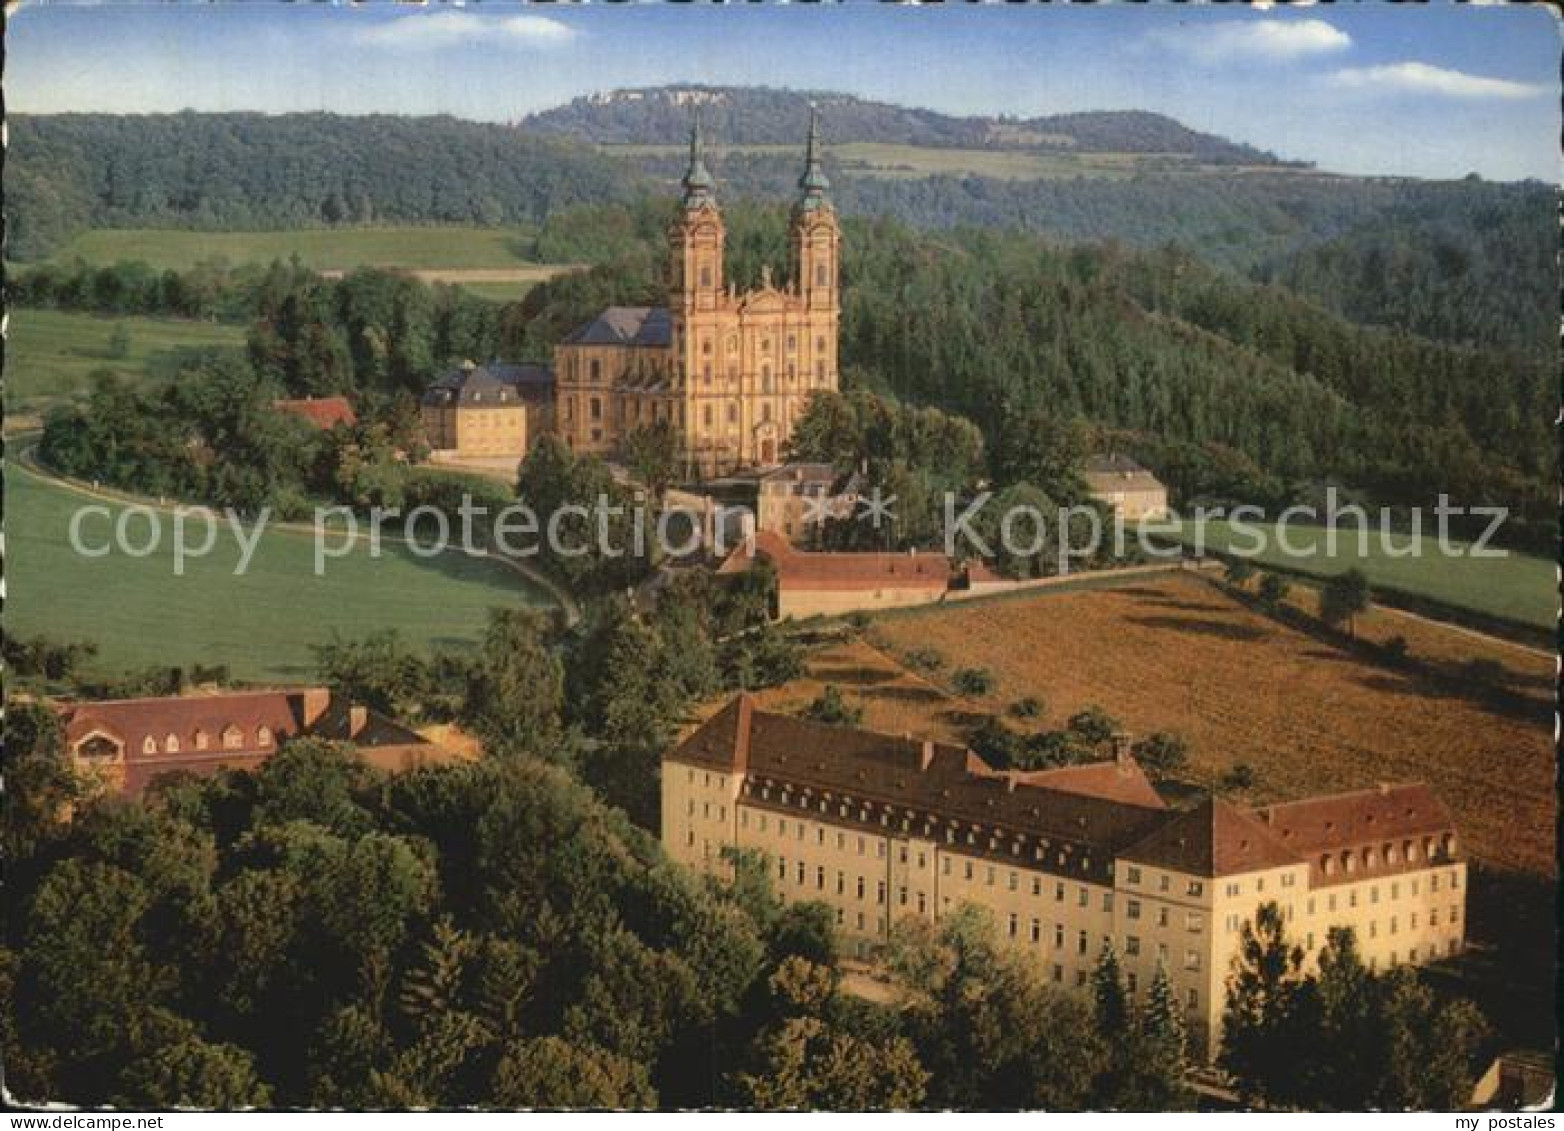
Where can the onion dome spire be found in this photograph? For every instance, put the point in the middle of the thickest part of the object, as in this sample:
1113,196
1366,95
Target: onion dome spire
813,184
697,180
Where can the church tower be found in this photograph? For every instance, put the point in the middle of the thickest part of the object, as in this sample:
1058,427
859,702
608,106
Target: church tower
815,237
696,237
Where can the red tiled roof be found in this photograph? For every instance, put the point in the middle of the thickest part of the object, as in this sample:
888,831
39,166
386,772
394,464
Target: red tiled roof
799,570
285,714
1380,818
1111,780
1215,838
912,778
324,413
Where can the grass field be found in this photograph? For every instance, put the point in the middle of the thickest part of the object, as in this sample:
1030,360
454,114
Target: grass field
324,249
1518,587
50,355
1177,654
261,624
880,159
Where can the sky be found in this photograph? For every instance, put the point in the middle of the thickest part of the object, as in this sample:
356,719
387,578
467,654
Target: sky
1436,90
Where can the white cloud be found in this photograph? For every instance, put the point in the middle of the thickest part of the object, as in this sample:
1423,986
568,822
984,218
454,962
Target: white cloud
1424,78
449,29
1261,40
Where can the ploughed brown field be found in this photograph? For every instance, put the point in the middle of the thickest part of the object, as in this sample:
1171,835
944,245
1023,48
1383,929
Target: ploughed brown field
1178,654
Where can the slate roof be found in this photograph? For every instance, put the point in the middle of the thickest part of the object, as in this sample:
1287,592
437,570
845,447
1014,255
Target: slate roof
648,326
470,384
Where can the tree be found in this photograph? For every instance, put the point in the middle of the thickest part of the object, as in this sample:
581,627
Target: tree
119,342
515,693
192,1072
974,682
1110,1002
1259,1020
1163,1046
553,1073
1273,590
809,1064
1162,754
1093,725
1239,570
831,707
652,453
1343,598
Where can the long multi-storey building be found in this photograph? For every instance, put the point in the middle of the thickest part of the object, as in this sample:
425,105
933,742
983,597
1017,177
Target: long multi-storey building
879,827
730,370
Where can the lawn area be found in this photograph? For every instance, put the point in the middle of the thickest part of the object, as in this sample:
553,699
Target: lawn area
1517,587
1176,654
51,355
884,159
261,624
325,249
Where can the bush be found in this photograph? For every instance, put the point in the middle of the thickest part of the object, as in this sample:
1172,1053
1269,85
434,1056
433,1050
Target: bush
925,659
1093,726
832,707
1027,707
1162,754
1238,777
1395,649
974,682
1273,590
997,744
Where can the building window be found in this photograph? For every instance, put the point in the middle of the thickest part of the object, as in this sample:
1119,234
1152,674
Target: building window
1192,999
1037,931
1133,875
1058,936
1191,960
202,740
594,370
1131,945
1012,924
820,279
171,744
1196,888
1132,909
233,738
1014,881
1194,922
1080,943
263,737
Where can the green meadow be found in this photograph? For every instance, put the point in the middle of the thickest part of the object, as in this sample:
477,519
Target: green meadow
1516,587
261,624
51,355
324,249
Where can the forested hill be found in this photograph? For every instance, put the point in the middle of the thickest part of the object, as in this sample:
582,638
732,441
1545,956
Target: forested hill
71,171
1467,262
768,116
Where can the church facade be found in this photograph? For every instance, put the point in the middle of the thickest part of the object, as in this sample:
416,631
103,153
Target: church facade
730,370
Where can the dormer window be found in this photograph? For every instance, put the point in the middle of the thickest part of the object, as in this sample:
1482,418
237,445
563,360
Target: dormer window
263,737
149,745
202,740
171,744
233,738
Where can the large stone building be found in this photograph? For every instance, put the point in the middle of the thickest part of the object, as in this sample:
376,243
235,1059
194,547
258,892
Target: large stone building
1067,861
1123,485
487,411
731,371
121,745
